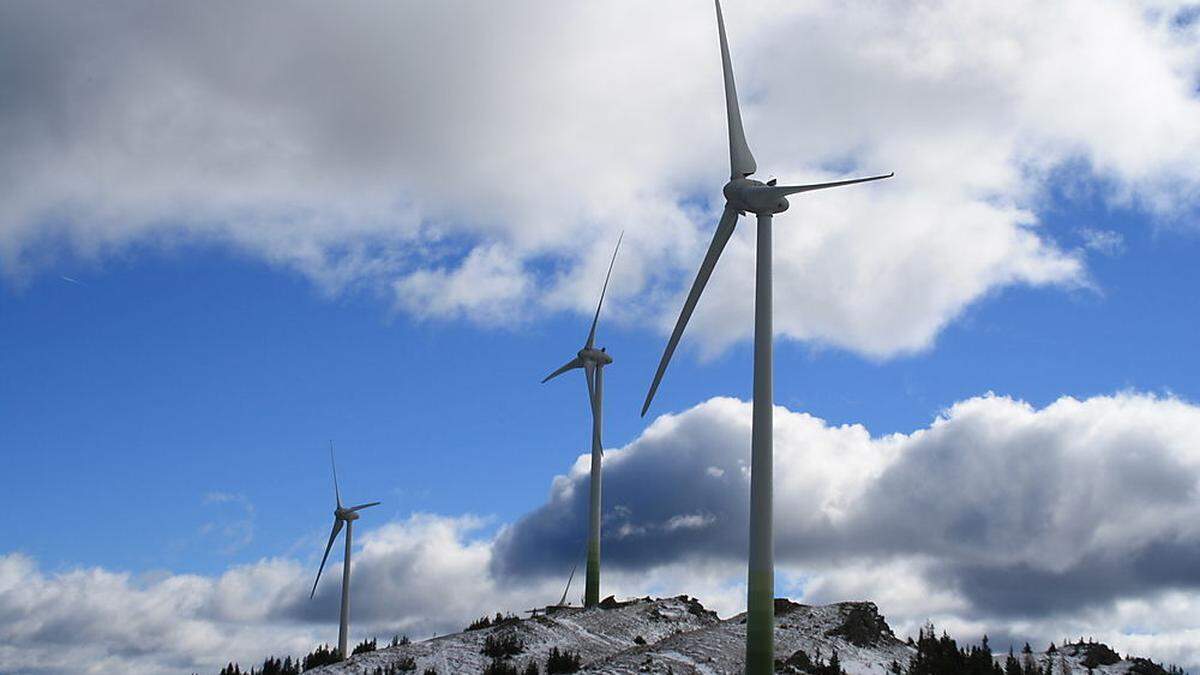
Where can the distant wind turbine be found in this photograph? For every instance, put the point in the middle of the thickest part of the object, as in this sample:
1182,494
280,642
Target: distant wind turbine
744,195
341,516
592,361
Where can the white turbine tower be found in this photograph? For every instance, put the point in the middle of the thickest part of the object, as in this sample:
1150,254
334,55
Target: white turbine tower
592,361
744,195
341,516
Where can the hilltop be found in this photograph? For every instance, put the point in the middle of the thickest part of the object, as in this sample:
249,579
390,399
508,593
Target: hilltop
680,636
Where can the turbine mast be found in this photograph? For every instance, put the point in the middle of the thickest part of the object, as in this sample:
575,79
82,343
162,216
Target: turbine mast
760,575
591,595
344,621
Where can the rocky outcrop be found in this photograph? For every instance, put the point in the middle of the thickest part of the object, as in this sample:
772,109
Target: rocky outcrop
863,625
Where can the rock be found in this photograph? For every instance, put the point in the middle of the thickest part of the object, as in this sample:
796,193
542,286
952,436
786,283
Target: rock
784,606
862,626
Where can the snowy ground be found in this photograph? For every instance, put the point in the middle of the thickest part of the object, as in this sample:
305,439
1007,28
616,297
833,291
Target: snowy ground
677,635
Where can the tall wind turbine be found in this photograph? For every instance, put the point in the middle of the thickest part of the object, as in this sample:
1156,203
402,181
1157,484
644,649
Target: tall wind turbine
592,361
341,516
745,195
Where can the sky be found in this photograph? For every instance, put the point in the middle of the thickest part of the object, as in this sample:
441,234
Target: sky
233,234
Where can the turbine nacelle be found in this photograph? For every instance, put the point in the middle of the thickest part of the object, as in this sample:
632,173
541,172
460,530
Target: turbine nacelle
747,195
598,357
345,514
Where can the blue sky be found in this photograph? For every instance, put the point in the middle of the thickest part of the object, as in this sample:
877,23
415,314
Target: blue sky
160,379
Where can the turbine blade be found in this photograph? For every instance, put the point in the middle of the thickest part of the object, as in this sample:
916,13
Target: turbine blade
590,373
336,493
720,238
741,160
776,191
360,507
563,600
569,365
596,319
337,527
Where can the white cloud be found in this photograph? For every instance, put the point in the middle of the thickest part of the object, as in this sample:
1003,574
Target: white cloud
1076,518
690,521
93,620
418,576
1105,242
477,161
488,285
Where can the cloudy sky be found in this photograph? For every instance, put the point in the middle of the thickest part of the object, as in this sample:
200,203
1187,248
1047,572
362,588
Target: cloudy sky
231,232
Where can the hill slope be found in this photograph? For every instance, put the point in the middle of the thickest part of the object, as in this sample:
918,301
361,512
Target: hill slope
678,635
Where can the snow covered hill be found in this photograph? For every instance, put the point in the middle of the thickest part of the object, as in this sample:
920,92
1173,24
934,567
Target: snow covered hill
678,635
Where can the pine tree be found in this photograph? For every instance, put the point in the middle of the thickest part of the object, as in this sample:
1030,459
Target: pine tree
835,665
562,662
1011,665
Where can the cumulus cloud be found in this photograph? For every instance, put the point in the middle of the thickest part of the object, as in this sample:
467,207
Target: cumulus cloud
418,576
471,160
1077,518
997,517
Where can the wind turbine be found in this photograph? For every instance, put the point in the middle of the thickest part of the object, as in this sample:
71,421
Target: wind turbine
745,195
592,361
341,516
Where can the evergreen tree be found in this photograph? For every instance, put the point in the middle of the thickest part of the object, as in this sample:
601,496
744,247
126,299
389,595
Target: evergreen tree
1028,665
943,656
500,666
502,646
321,656
562,662
1011,665
835,665
364,647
